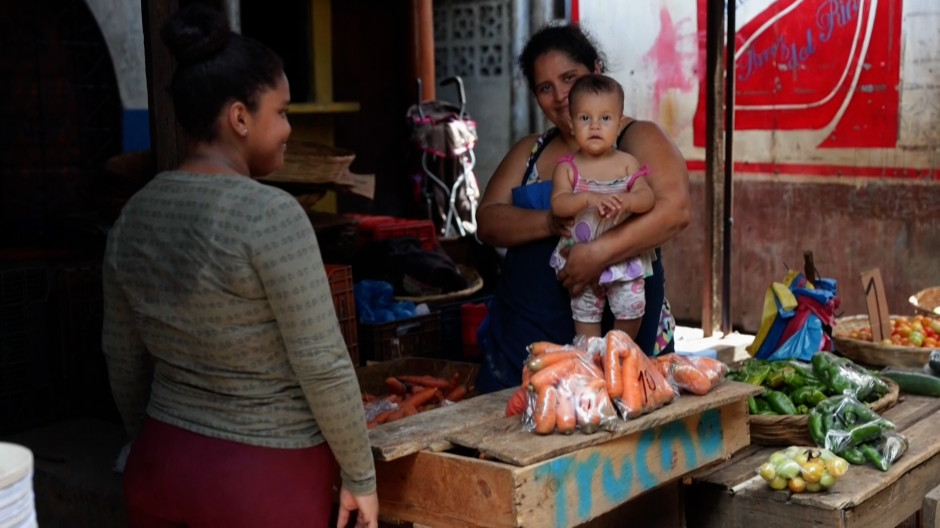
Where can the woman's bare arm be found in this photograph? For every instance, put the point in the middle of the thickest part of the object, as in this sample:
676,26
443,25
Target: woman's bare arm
669,180
501,224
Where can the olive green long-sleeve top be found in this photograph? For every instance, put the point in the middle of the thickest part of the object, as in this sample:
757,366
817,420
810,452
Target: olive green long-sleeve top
219,319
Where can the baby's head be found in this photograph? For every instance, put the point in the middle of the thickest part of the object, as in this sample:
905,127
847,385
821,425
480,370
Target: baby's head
595,106
594,84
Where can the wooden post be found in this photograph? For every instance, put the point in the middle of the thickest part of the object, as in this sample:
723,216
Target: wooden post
714,163
166,137
423,47
322,57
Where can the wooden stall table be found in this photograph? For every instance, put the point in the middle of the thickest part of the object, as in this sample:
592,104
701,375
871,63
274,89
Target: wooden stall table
469,465
731,494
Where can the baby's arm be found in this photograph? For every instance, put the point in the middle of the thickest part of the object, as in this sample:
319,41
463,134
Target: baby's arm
639,199
566,203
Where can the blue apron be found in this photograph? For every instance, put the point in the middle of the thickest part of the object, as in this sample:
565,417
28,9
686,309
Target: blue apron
530,303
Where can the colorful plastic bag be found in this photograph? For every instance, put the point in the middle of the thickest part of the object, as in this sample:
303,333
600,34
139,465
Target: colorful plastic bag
797,320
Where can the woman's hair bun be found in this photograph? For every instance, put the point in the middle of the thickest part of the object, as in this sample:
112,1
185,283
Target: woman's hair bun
195,33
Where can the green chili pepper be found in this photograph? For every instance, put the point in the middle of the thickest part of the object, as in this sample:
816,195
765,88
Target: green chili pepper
757,376
774,379
752,405
800,395
852,455
866,432
792,378
874,456
779,402
814,398
816,428
762,404
838,383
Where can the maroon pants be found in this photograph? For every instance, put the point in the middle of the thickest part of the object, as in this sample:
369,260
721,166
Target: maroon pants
176,478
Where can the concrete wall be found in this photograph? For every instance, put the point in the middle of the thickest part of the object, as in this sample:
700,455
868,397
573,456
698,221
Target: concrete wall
836,148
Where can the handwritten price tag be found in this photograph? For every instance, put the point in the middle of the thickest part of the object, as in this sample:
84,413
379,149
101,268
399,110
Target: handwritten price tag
877,305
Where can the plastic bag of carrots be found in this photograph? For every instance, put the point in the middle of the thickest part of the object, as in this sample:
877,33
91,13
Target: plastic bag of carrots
564,391
634,383
694,374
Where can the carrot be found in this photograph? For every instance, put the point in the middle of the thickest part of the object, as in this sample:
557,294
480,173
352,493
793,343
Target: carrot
632,396
517,402
665,364
540,347
407,409
691,379
613,371
421,398
551,374
425,380
457,393
713,368
395,386
539,362
590,405
544,415
565,418
659,391
383,416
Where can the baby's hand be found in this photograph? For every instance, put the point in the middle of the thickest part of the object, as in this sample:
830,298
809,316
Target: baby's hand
608,205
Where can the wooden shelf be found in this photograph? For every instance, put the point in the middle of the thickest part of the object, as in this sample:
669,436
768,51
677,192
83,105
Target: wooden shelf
323,108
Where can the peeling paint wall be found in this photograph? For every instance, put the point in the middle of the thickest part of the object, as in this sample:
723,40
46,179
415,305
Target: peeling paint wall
836,148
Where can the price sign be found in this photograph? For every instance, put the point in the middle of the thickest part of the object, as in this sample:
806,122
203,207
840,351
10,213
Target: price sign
877,305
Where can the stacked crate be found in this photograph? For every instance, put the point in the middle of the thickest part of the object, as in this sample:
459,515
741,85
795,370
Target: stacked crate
344,302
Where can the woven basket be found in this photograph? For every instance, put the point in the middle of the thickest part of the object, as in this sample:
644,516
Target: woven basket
311,162
874,354
927,301
474,284
794,430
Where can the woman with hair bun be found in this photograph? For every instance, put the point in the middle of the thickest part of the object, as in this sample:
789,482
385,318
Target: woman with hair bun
225,356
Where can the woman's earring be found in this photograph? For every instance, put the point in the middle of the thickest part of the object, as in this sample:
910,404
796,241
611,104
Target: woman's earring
244,131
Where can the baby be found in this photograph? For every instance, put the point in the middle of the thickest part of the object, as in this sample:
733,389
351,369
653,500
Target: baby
614,189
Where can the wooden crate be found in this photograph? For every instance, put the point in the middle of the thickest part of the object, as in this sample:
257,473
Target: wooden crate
372,376
417,336
469,465
731,495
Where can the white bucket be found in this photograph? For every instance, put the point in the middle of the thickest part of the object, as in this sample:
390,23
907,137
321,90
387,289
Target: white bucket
17,504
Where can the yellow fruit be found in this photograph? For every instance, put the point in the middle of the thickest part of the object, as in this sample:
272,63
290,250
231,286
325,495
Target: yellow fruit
768,471
837,467
797,485
813,470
